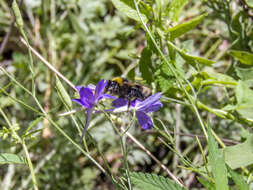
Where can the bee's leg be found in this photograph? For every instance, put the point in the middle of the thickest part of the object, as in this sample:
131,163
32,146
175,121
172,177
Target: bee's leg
128,105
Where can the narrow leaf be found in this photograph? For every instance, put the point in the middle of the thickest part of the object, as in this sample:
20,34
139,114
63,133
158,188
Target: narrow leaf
193,59
34,123
207,184
147,181
181,29
217,163
238,179
63,93
189,58
243,56
18,16
8,158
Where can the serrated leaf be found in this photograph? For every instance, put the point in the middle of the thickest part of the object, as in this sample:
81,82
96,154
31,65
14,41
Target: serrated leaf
128,8
175,8
238,179
8,158
240,155
181,29
146,181
217,163
145,65
164,83
243,56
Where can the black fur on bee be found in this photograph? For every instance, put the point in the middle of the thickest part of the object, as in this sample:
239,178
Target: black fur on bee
123,88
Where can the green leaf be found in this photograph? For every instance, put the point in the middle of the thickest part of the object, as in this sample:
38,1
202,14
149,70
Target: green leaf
145,65
17,13
175,8
244,97
243,56
219,78
181,29
34,123
189,58
63,93
8,158
165,83
249,3
147,181
127,7
244,73
164,77
217,163
238,179
193,59
239,155
207,184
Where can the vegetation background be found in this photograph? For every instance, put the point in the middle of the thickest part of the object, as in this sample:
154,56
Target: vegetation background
197,53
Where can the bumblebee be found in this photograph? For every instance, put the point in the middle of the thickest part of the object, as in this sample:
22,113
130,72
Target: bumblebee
123,88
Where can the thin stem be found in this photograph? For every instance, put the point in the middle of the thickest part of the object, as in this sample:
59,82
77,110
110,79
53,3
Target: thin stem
30,165
123,148
48,64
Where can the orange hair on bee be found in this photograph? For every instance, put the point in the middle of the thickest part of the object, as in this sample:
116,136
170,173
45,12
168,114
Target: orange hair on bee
119,80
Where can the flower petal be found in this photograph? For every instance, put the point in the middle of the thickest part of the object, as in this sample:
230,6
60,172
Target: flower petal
144,105
86,95
82,103
78,88
108,96
144,120
120,102
154,107
99,89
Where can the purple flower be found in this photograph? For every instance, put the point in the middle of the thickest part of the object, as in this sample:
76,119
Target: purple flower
89,97
142,108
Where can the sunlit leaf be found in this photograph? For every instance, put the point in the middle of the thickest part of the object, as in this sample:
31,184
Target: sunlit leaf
243,56
146,181
128,8
217,163
8,158
181,29
175,8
